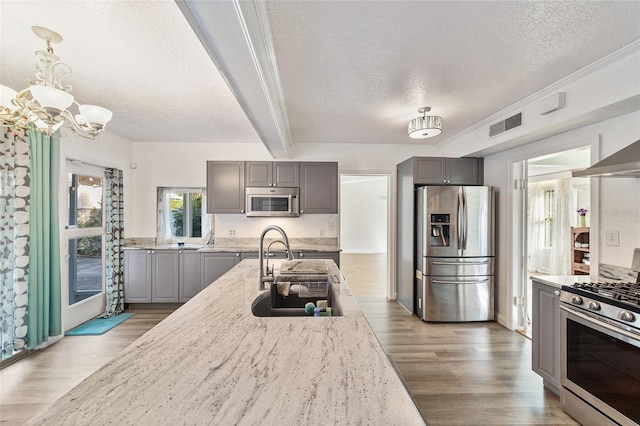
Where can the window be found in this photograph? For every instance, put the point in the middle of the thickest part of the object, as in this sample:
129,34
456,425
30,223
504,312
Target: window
180,214
549,208
85,233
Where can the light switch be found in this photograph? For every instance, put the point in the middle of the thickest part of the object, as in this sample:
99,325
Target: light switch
612,238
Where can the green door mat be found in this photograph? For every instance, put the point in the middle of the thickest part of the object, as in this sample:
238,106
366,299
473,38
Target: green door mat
98,326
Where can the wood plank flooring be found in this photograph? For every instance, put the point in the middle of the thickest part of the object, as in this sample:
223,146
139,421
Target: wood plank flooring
32,384
458,374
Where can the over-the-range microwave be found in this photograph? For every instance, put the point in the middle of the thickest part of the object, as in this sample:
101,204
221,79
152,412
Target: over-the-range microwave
272,202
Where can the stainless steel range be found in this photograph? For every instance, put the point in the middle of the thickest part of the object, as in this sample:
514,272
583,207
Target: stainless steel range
600,351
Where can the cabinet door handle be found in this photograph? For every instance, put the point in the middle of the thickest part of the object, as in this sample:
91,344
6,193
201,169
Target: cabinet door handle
237,254
301,254
557,293
241,211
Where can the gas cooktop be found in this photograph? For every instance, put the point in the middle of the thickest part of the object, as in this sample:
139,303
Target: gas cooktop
621,294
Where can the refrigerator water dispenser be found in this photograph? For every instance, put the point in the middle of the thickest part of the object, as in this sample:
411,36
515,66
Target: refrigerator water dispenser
440,230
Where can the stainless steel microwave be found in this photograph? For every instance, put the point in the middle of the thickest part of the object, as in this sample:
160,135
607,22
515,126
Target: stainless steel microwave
272,202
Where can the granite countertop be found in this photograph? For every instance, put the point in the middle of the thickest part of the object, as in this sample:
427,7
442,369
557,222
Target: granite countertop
213,362
559,280
225,245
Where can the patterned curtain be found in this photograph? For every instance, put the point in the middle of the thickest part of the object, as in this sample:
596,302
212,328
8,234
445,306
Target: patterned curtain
14,240
114,243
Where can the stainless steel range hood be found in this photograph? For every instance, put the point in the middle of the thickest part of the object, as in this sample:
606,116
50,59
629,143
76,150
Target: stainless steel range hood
624,163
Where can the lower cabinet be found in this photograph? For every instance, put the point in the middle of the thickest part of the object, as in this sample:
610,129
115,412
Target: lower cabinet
164,276
215,265
545,323
137,276
161,276
190,283
169,276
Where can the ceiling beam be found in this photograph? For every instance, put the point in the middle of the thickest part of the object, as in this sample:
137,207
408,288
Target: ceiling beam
237,36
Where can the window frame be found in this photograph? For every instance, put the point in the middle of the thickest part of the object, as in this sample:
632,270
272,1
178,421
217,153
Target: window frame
164,233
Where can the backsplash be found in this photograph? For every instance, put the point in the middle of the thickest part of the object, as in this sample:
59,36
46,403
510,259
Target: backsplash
614,272
305,226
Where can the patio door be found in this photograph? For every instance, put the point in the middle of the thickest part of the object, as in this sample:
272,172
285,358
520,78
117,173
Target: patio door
83,245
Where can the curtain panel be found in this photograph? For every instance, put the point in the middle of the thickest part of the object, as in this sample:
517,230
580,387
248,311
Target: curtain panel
14,240
114,243
44,290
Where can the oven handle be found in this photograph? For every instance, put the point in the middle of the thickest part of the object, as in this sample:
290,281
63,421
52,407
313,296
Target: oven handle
602,324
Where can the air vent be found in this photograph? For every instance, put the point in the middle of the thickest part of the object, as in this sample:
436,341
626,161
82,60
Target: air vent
504,125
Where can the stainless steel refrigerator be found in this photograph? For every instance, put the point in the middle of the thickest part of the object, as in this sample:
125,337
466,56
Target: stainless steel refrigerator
454,253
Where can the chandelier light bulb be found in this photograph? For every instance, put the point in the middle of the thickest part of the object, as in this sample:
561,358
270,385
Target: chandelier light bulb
46,101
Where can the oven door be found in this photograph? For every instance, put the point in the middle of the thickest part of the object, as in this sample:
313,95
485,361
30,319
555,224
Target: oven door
600,364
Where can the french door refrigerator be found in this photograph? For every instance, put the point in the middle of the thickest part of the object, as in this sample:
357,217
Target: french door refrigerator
454,253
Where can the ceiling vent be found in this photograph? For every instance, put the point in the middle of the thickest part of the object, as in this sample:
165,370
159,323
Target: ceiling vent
504,125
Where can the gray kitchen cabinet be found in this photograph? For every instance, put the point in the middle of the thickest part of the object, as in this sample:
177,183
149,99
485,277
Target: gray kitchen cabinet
448,171
215,265
331,255
225,186
189,283
545,322
137,276
277,173
413,172
164,276
319,187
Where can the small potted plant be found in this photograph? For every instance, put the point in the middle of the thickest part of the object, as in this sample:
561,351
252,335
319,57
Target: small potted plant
582,213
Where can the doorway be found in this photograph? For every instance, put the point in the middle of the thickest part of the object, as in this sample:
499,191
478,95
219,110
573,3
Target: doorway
83,243
549,211
364,233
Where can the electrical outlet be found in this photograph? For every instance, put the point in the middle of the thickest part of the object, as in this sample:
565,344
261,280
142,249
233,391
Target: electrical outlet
612,238
232,232
321,232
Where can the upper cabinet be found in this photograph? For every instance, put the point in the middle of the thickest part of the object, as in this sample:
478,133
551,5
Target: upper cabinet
319,187
448,171
279,173
225,186
226,182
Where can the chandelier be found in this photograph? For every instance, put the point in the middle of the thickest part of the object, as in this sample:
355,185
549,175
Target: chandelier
46,101
426,126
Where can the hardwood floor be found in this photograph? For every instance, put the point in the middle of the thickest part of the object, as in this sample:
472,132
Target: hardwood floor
458,374
366,273
464,374
32,384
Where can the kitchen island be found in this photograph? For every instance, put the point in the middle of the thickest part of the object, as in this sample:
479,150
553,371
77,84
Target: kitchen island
213,362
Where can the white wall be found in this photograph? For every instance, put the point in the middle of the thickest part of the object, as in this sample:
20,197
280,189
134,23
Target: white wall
108,150
184,165
363,220
619,199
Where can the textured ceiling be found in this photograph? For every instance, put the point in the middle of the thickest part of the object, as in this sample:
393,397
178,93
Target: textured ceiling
350,71
359,71
138,58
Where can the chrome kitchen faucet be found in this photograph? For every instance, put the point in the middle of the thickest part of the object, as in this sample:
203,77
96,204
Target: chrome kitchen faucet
267,277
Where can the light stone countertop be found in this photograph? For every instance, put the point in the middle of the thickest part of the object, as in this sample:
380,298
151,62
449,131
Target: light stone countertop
226,245
560,280
213,362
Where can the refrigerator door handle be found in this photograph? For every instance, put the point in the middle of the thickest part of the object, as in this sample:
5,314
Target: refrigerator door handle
459,282
483,262
465,218
460,224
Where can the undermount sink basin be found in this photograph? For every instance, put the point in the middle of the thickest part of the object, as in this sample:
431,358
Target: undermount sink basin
272,304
